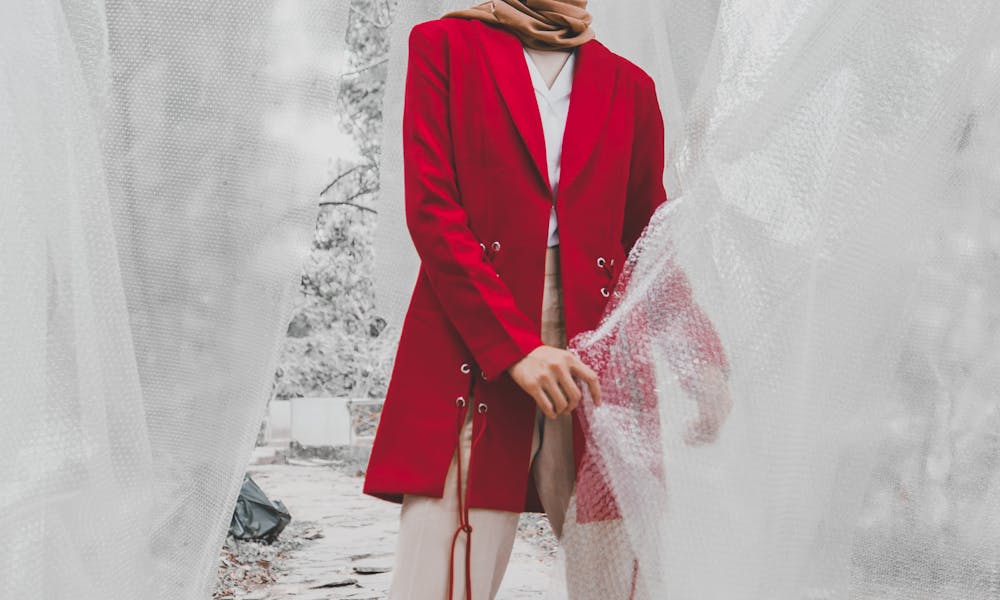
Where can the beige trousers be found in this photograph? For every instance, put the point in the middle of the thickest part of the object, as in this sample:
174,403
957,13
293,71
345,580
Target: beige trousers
427,525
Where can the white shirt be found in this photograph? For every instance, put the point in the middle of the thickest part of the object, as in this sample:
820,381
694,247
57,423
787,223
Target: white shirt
553,106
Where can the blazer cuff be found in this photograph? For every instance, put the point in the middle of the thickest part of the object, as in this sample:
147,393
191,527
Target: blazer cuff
495,360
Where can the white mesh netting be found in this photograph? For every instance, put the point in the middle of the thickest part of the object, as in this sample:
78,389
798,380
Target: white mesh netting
835,193
834,182
158,204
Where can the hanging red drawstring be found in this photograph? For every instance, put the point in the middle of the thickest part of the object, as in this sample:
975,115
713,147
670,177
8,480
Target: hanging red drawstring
463,514
464,523
635,577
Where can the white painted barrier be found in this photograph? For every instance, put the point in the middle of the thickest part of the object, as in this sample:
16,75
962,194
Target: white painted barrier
320,421
279,420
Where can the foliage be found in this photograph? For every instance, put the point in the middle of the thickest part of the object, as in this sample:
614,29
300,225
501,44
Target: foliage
333,347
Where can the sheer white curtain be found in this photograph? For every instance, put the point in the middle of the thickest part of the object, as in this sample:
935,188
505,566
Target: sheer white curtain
834,207
159,196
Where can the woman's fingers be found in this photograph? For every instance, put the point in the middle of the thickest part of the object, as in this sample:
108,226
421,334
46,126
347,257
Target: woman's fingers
569,388
550,386
542,400
590,378
547,375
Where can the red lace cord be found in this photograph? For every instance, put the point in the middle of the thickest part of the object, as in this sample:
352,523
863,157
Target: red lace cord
463,517
463,508
635,577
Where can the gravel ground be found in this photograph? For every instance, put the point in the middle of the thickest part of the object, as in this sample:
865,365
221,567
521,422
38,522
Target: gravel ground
340,543
246,567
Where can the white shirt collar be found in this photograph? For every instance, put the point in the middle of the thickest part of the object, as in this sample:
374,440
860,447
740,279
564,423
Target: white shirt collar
560,87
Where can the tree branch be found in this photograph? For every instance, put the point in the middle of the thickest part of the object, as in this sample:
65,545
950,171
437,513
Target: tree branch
349,202
357,206
369,20
370,65
339,177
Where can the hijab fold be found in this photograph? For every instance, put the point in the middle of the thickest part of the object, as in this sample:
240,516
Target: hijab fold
540,24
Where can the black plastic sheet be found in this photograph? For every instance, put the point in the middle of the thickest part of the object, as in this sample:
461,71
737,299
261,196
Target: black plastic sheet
257,517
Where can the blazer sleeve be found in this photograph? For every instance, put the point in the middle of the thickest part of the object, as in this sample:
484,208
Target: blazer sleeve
645,194
477,302
645,191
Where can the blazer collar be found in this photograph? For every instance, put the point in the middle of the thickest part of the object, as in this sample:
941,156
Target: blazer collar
589,101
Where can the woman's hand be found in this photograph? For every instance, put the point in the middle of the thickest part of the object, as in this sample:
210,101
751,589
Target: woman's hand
546,374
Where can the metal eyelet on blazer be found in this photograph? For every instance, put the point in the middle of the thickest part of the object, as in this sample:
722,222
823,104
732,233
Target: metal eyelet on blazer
608,266
460,402
482,408
465,368
490,252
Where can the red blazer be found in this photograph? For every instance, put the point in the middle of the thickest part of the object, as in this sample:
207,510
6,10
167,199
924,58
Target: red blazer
477,207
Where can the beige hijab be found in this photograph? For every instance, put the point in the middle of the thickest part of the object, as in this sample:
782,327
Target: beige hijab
540,24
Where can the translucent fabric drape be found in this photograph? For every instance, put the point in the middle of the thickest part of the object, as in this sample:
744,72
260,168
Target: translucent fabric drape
159,195
835,212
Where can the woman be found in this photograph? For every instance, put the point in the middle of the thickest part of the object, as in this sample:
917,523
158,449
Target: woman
478,423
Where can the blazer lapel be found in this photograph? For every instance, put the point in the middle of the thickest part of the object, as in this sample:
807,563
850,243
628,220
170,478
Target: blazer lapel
589,106
589,100
505,56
